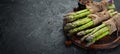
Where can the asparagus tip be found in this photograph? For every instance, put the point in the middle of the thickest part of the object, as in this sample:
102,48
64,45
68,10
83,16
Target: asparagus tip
82,39
80,33
89,37
68,26
66,19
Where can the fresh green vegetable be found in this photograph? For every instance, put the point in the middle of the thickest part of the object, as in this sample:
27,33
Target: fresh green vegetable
84,26
80,14
95,30
97,38
77,23
84,32
81,27
76,13
99,32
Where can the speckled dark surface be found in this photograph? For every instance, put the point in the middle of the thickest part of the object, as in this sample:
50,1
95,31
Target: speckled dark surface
35,27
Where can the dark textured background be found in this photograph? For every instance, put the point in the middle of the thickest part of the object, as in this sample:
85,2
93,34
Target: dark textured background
35,27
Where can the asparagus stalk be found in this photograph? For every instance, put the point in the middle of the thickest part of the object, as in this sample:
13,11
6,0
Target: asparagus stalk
98,28
76,13
101,36
95,30
77,23
97,38
91,23
99,32
78,16
81,33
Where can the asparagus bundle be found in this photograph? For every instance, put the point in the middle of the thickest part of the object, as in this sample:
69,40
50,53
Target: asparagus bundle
98,6
91,20
106,28
96,13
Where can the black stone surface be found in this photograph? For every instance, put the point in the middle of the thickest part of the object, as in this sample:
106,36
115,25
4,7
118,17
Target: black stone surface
35,27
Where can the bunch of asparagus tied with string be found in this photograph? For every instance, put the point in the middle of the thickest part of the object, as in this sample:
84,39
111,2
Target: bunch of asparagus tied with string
80,20
91,20
92,7
94,14
106,28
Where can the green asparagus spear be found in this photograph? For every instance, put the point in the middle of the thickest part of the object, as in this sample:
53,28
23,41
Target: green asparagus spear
95,30
76,13
77,23
81,33
97,38
99,32
101,36
81,27
98,28
78,16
